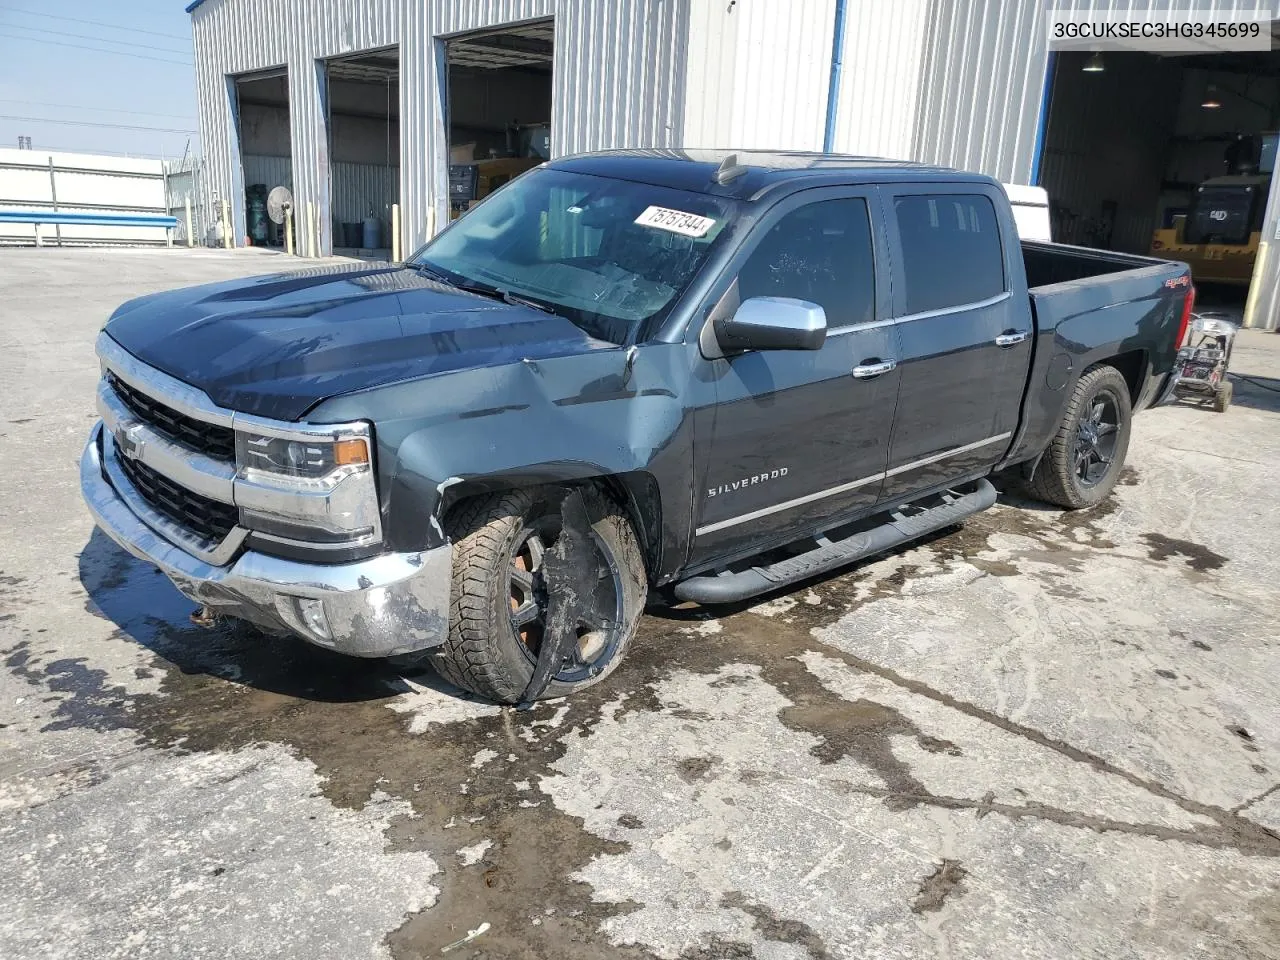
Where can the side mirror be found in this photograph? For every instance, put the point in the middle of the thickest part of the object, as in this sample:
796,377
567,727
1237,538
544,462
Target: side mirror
773,323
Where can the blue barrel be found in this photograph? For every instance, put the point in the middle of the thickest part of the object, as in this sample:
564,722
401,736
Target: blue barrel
372,233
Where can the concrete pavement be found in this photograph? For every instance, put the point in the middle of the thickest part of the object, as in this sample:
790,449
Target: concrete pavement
1041,735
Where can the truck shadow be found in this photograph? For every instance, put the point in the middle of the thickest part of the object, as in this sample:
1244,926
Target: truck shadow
148,610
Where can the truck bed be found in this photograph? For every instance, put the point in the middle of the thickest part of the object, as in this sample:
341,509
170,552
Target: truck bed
1089,305
1050,263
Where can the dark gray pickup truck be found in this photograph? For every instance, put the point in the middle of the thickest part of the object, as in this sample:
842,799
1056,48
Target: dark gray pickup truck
699,374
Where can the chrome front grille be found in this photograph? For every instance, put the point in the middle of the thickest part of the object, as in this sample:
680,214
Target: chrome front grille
206,517
208,438
170,454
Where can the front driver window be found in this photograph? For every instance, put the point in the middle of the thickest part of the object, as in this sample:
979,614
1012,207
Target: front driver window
821,252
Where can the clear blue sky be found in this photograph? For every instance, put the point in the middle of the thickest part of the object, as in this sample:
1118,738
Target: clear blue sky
124,78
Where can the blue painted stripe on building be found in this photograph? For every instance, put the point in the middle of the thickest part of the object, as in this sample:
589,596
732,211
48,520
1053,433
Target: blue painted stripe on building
1042,124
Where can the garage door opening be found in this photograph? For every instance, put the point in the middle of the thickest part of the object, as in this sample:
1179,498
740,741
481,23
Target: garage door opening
364,151
262,119
1170,155
498,108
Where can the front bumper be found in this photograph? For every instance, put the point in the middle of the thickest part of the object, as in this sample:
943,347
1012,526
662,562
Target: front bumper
389,604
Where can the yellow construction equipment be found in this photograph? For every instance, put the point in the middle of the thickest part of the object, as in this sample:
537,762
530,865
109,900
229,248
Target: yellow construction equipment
1218,236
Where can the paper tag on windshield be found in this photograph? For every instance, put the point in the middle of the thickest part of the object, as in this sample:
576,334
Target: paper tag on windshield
675,221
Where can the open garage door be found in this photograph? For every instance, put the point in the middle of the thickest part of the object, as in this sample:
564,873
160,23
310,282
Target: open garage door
364,151
499,108
1167,154
262,124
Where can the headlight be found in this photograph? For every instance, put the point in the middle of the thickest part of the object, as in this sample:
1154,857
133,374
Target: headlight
307,484
316,459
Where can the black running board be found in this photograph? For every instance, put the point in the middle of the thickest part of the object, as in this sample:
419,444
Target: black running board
902,526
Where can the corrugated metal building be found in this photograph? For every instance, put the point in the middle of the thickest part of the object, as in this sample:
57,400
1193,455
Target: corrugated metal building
956,82
929,79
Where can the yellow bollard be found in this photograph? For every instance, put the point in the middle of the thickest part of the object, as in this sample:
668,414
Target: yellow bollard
227,227
191,240
395,233
312,251
288,230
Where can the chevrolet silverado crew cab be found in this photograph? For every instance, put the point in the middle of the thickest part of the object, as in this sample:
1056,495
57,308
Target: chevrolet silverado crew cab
704,375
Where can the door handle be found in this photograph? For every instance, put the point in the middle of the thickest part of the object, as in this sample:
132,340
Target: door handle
1012,337
869,371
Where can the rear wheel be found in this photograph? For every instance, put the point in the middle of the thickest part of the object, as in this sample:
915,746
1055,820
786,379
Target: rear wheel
500,593
1083,461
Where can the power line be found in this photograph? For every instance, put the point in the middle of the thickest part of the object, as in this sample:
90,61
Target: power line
73,106
81,36
48,148
98,23
90,123
81,46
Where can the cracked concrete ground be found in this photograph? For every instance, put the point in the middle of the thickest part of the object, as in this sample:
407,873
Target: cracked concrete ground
1039,735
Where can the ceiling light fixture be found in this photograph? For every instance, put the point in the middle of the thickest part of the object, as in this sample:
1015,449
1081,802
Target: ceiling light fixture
1094,64
1211,101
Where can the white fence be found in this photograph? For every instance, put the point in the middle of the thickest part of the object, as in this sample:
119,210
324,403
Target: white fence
185,191
37,181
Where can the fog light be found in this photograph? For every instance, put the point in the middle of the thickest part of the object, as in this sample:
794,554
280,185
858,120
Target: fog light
311,613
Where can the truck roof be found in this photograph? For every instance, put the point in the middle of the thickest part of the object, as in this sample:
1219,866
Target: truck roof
695,170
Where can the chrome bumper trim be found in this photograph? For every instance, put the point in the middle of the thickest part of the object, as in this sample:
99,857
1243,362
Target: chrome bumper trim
389,604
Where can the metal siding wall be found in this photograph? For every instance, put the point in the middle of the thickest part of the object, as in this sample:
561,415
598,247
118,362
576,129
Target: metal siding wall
781,74
710,58
622,84
618,80
880,78
359,186
737,97
241,36
981,86
272,171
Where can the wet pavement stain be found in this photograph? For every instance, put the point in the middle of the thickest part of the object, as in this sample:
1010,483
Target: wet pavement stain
693,769
944,882
776,929
1197,556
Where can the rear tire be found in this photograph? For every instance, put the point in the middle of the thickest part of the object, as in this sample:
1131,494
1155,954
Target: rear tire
497,540
1082,463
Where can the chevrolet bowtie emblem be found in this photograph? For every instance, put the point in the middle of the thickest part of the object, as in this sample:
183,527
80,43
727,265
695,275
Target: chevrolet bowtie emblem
128,442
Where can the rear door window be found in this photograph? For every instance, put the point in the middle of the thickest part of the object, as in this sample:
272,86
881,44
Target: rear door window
951,251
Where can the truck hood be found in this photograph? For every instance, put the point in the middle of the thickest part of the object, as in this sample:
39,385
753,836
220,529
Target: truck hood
275,346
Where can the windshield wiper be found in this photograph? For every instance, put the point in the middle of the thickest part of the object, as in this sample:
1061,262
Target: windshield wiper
484,289
517,300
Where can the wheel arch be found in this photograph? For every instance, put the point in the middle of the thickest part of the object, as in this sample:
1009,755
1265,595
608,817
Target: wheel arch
635,492
1133,366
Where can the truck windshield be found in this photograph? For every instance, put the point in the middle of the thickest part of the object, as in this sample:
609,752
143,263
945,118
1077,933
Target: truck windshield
609,255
